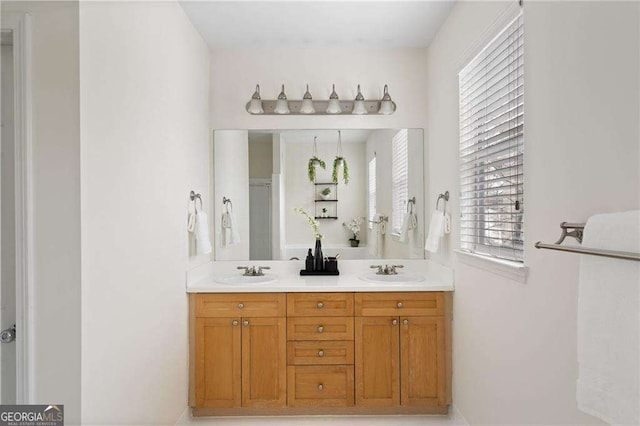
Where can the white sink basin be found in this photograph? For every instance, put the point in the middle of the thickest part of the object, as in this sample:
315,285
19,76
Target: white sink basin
401,277
241,279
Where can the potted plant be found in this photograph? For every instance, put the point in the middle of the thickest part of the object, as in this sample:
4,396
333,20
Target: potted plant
313,162
345,170
325,193
354,227
324,212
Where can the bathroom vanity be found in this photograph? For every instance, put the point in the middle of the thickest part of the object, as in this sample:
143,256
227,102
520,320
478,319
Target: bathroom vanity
291,345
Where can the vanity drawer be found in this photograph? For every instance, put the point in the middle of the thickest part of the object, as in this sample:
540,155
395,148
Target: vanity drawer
241,305
406,304
320,328
320,352
320,304
320,386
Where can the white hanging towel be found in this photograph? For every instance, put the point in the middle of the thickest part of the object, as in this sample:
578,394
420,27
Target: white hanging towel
409,223
230,234
376,237
608,321
203,242
439,226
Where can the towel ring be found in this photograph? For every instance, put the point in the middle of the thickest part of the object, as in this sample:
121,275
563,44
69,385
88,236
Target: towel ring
194,197
227,202
444,196
410,203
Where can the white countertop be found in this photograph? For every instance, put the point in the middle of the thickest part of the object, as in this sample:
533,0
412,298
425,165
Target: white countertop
203,278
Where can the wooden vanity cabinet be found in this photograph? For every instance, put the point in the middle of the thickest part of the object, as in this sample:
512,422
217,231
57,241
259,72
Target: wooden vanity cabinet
320,353
238,350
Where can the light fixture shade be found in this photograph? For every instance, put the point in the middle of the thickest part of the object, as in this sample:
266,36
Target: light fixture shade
386,104
282,105
334,103
358,104
255,105
307,103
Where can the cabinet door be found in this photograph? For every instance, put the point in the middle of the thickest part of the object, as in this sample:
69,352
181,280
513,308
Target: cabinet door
218,362
422,349
264,362
377,362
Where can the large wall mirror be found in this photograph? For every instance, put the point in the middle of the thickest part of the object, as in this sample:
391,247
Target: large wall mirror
262,176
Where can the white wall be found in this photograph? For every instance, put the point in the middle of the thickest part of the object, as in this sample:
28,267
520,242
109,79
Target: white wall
514,344
56,200
231,180
145,145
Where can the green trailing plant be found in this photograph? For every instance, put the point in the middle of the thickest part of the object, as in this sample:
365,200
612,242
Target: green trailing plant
313,162
345,170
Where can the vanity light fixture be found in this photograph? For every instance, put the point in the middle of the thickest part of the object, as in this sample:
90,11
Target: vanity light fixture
307,103
358,104
334,103
255,105
332,106
386,104
282,106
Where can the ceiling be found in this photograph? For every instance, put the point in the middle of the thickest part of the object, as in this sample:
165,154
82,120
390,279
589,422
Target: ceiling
317,24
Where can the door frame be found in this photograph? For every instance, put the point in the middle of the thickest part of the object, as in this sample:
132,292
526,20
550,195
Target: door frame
267,183
20,25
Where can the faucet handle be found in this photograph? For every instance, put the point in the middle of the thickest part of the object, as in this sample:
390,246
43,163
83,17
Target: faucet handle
378,267
246,268
260,268
398,266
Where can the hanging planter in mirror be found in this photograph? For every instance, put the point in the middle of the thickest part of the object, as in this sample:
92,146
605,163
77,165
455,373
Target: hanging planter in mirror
340,160
315,161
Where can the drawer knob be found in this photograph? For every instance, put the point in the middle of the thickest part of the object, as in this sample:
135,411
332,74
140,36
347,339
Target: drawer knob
240,305
320,353
399,305
234,322
320,305
245,322
405,322
320,386
320,329
394,322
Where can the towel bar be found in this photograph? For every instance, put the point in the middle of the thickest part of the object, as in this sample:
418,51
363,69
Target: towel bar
577,231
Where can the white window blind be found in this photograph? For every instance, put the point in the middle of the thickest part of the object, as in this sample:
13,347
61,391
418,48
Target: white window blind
372,191
491,147
399,178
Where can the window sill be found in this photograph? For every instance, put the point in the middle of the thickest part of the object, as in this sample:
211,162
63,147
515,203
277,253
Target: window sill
513,270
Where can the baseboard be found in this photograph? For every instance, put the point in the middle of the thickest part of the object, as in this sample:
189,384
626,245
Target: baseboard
457,416
185,418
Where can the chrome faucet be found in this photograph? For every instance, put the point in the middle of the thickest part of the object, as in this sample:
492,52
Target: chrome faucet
251,271
387,270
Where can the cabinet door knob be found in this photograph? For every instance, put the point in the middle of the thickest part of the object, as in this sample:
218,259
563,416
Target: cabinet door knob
399,305
394,322
319,305
240,305
320,353
245,322
234,322
320,329
405,322
320,386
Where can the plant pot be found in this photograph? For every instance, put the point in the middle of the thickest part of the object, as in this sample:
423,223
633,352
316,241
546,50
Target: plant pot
354,243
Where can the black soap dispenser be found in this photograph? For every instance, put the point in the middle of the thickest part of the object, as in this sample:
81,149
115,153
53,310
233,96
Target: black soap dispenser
309,262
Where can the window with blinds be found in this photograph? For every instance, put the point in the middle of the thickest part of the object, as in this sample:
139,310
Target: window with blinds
399,178
372,191
491,147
